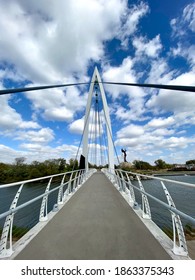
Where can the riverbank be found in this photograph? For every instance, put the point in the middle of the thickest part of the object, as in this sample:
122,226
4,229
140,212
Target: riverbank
164,172
159,173
172,173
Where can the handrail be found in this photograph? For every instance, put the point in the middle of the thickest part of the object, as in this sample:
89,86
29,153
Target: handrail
37,179
175,210
72,184
117,176
162,179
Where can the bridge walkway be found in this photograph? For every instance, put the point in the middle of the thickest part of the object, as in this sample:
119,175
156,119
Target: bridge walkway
95,224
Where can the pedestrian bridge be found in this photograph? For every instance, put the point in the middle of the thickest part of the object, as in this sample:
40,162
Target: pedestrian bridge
90,214
94,215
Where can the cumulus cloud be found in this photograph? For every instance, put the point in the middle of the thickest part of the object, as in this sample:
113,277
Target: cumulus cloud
42,136
11,120
183,33
185,22
160,72
96,125
37,151
189,16
56,104
150,48
56,40
8,154
158,139
132,17
130,131
126,74
45,43
77,126
161,122
175,101
186,52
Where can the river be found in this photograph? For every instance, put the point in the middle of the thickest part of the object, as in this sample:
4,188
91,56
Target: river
183,196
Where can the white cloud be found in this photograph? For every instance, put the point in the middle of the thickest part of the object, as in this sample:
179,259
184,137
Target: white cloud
189,16
96,125
183,28
175,142
160,72
150,48
154,141
164,132
161,122
56,40
130,131
37,151
175,101
185,22
126,142
41,136
133,15
11,120
187,52
77,126
8,154
56,104
124,73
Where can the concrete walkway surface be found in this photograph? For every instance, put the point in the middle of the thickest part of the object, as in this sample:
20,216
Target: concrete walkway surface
95,224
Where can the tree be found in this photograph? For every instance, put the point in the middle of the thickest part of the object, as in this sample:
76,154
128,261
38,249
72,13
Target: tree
160,164
62,164
142,165
73,164
192,161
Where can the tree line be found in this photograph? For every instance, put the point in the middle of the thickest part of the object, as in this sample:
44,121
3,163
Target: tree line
19,170
160,164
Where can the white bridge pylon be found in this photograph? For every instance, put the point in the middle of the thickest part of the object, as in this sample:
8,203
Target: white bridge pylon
96,80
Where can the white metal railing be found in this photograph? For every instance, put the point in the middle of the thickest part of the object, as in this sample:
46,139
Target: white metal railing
123,182
62,185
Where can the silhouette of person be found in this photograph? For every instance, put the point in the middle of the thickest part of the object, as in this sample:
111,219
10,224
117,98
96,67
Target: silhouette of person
125,154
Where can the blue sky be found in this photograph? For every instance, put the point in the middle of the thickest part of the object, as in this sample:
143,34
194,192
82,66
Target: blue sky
130,41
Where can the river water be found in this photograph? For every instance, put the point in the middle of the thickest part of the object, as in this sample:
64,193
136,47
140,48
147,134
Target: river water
183,196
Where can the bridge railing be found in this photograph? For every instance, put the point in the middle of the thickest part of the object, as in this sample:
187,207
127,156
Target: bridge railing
26,203
131,186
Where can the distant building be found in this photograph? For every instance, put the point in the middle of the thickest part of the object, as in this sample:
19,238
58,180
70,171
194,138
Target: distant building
190,166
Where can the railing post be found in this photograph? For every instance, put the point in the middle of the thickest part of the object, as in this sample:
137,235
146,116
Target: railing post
43,210
131,191
118,181
7,229
74,183
79,178
60,192
123,185
182,249
70,184
145,204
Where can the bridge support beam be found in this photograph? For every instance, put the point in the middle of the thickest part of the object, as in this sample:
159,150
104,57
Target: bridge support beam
97,80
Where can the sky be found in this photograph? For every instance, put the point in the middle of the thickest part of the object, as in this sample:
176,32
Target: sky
55,42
